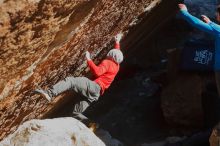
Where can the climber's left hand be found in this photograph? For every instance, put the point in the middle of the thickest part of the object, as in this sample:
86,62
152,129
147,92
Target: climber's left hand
88,55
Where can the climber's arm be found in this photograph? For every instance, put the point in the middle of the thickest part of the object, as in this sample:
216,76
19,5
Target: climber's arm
194,21
96,70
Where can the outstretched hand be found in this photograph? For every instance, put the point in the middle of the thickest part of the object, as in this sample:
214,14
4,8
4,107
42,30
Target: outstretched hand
118,37
88,55
182,7
205,19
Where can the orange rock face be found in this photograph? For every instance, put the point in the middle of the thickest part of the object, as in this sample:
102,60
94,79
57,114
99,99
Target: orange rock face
44,41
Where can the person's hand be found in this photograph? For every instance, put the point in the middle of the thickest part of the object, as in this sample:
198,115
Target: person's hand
88,55
118,37
182,7
205,19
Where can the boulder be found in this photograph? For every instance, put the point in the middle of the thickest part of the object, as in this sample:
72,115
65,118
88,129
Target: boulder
181,102
52,132
44,41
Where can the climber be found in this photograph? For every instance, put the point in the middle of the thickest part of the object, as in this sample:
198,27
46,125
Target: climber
104,74
210,27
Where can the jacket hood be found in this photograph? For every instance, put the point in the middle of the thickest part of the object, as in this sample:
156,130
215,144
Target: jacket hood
116,55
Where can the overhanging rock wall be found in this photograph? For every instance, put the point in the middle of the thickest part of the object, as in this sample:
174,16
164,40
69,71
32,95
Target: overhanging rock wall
44,41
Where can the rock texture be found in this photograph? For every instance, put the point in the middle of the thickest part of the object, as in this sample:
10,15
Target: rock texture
52,132
44,41
182,103
214,139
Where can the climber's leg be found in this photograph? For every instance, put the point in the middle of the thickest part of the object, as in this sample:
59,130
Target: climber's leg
79,108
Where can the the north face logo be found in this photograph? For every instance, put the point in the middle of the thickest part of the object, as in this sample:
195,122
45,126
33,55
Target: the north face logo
203,57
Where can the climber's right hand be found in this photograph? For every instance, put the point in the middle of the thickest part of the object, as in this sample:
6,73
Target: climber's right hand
88,55
182,7
118,37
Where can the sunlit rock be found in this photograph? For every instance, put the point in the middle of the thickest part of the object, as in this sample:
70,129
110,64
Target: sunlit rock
52,132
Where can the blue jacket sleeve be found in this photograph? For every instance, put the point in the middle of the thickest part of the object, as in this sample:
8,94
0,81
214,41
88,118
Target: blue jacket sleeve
215,27
196,22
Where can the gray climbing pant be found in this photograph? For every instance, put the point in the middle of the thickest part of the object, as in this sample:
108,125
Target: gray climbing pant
82,85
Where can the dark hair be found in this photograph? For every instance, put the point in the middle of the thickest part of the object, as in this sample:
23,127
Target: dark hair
218,9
